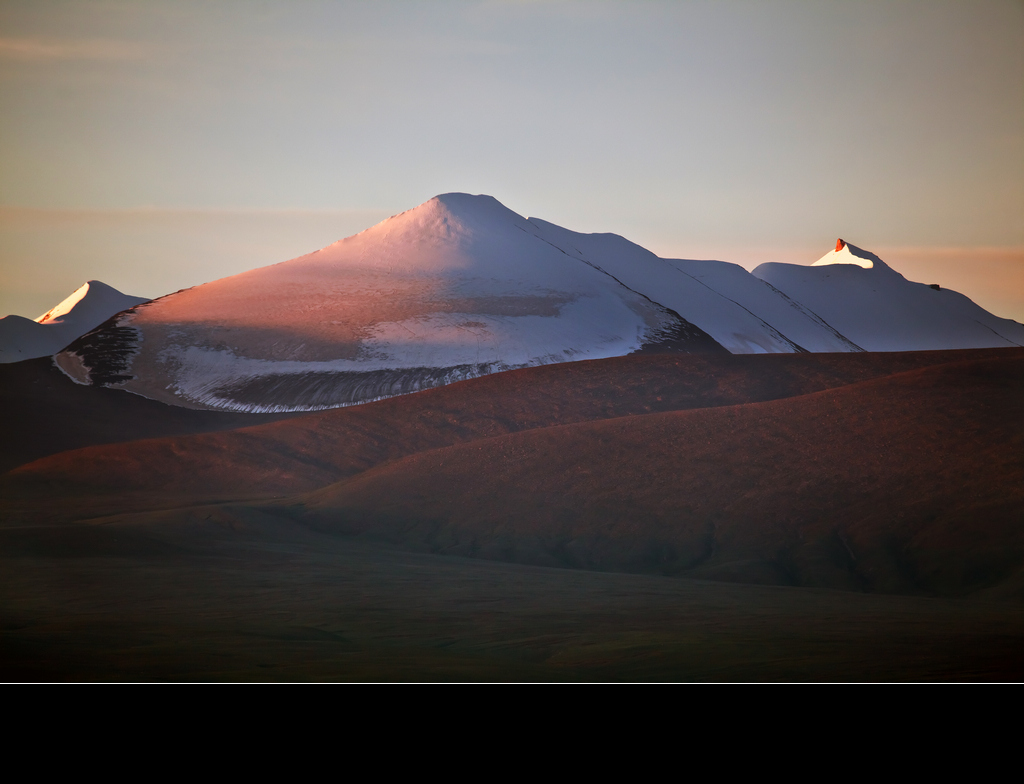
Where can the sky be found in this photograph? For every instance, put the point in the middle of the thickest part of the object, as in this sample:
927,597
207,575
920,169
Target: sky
160,145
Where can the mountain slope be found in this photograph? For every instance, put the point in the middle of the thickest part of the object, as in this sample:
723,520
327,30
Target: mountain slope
452,289
45,412
86,308
311,450
742,313
878,309
913,483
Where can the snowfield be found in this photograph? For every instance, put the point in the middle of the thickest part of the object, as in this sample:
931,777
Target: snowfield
742,313
461,286
458,287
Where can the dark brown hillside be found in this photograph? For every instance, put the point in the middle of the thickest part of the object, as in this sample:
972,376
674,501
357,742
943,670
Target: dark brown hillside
306,452
45,412
908,484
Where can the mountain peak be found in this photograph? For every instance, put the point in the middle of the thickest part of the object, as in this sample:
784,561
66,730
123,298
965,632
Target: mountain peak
445,218
66,305
92,291
472,209
87,307
845,253
457,199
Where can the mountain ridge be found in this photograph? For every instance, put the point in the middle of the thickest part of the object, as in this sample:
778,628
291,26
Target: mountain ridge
461,286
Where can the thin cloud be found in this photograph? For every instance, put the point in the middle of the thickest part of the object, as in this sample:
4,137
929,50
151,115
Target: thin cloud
52,50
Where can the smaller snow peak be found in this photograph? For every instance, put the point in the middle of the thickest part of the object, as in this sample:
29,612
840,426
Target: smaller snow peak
66,305
88,301
845,253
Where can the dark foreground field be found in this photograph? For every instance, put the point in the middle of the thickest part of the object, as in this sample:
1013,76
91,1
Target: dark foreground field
283,604
799,517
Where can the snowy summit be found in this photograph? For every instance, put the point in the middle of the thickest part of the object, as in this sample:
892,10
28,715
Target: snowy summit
848,254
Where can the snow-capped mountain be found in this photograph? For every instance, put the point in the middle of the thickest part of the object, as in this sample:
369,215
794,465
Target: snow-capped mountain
458,287
88,306
461,286
878,309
